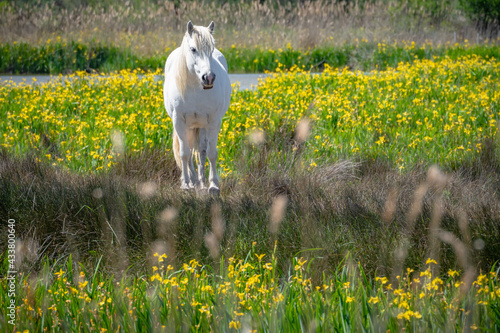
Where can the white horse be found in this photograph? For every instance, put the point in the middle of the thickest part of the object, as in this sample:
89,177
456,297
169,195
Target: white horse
196,93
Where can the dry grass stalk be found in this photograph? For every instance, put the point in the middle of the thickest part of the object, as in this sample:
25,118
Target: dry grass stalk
302,130
459,247
213,239
401,251
147,190
463,225
158,248
437,180
166,229
277,212
257,137
213,245
390,206
118,141
218,226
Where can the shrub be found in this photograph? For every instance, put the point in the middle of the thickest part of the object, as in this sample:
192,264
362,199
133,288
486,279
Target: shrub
486,14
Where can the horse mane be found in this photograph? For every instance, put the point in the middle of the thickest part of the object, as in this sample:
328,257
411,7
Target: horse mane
205,42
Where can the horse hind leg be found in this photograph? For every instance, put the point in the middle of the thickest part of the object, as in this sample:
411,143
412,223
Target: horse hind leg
202,157
184,156
193,135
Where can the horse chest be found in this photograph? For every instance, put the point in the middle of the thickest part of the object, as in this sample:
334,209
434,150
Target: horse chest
196,120
197,112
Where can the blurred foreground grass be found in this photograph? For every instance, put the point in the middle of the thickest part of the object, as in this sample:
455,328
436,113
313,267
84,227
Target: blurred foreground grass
252,294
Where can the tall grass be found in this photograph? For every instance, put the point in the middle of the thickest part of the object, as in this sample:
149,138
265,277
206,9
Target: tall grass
250,294
335,209
150,28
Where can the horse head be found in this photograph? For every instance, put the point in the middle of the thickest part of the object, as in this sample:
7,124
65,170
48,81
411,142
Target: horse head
199,46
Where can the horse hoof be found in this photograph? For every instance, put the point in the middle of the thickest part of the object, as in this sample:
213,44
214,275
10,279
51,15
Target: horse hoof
214,190
186,187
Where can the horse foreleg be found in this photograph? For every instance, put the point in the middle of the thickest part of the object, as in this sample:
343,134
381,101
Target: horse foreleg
184,154
192,135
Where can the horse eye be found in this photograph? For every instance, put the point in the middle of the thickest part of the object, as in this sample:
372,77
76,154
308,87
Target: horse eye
193,50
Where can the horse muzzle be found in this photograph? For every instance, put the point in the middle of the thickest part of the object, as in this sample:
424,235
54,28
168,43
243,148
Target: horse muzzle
208,81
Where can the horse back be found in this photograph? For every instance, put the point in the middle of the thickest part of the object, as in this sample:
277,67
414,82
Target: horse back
171,59
217,55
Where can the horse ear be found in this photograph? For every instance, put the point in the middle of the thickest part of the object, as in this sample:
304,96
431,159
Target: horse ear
211,27
190,28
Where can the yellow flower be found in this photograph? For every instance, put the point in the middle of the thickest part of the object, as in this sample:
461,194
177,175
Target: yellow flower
381,140
260,256
409,314
207,289
373,300
426,273
160,258
82,285
300,264
234,324
430,261
156,277
60,273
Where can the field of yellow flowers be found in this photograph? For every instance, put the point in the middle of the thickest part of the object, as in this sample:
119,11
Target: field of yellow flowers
251,295
428,112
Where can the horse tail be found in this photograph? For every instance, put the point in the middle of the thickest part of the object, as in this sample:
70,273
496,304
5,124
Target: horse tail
175,148
196,140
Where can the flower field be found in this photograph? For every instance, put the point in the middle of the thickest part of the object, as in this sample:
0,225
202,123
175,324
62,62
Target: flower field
250,295
323,264
427,112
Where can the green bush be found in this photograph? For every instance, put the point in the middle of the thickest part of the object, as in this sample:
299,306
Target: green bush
486,14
